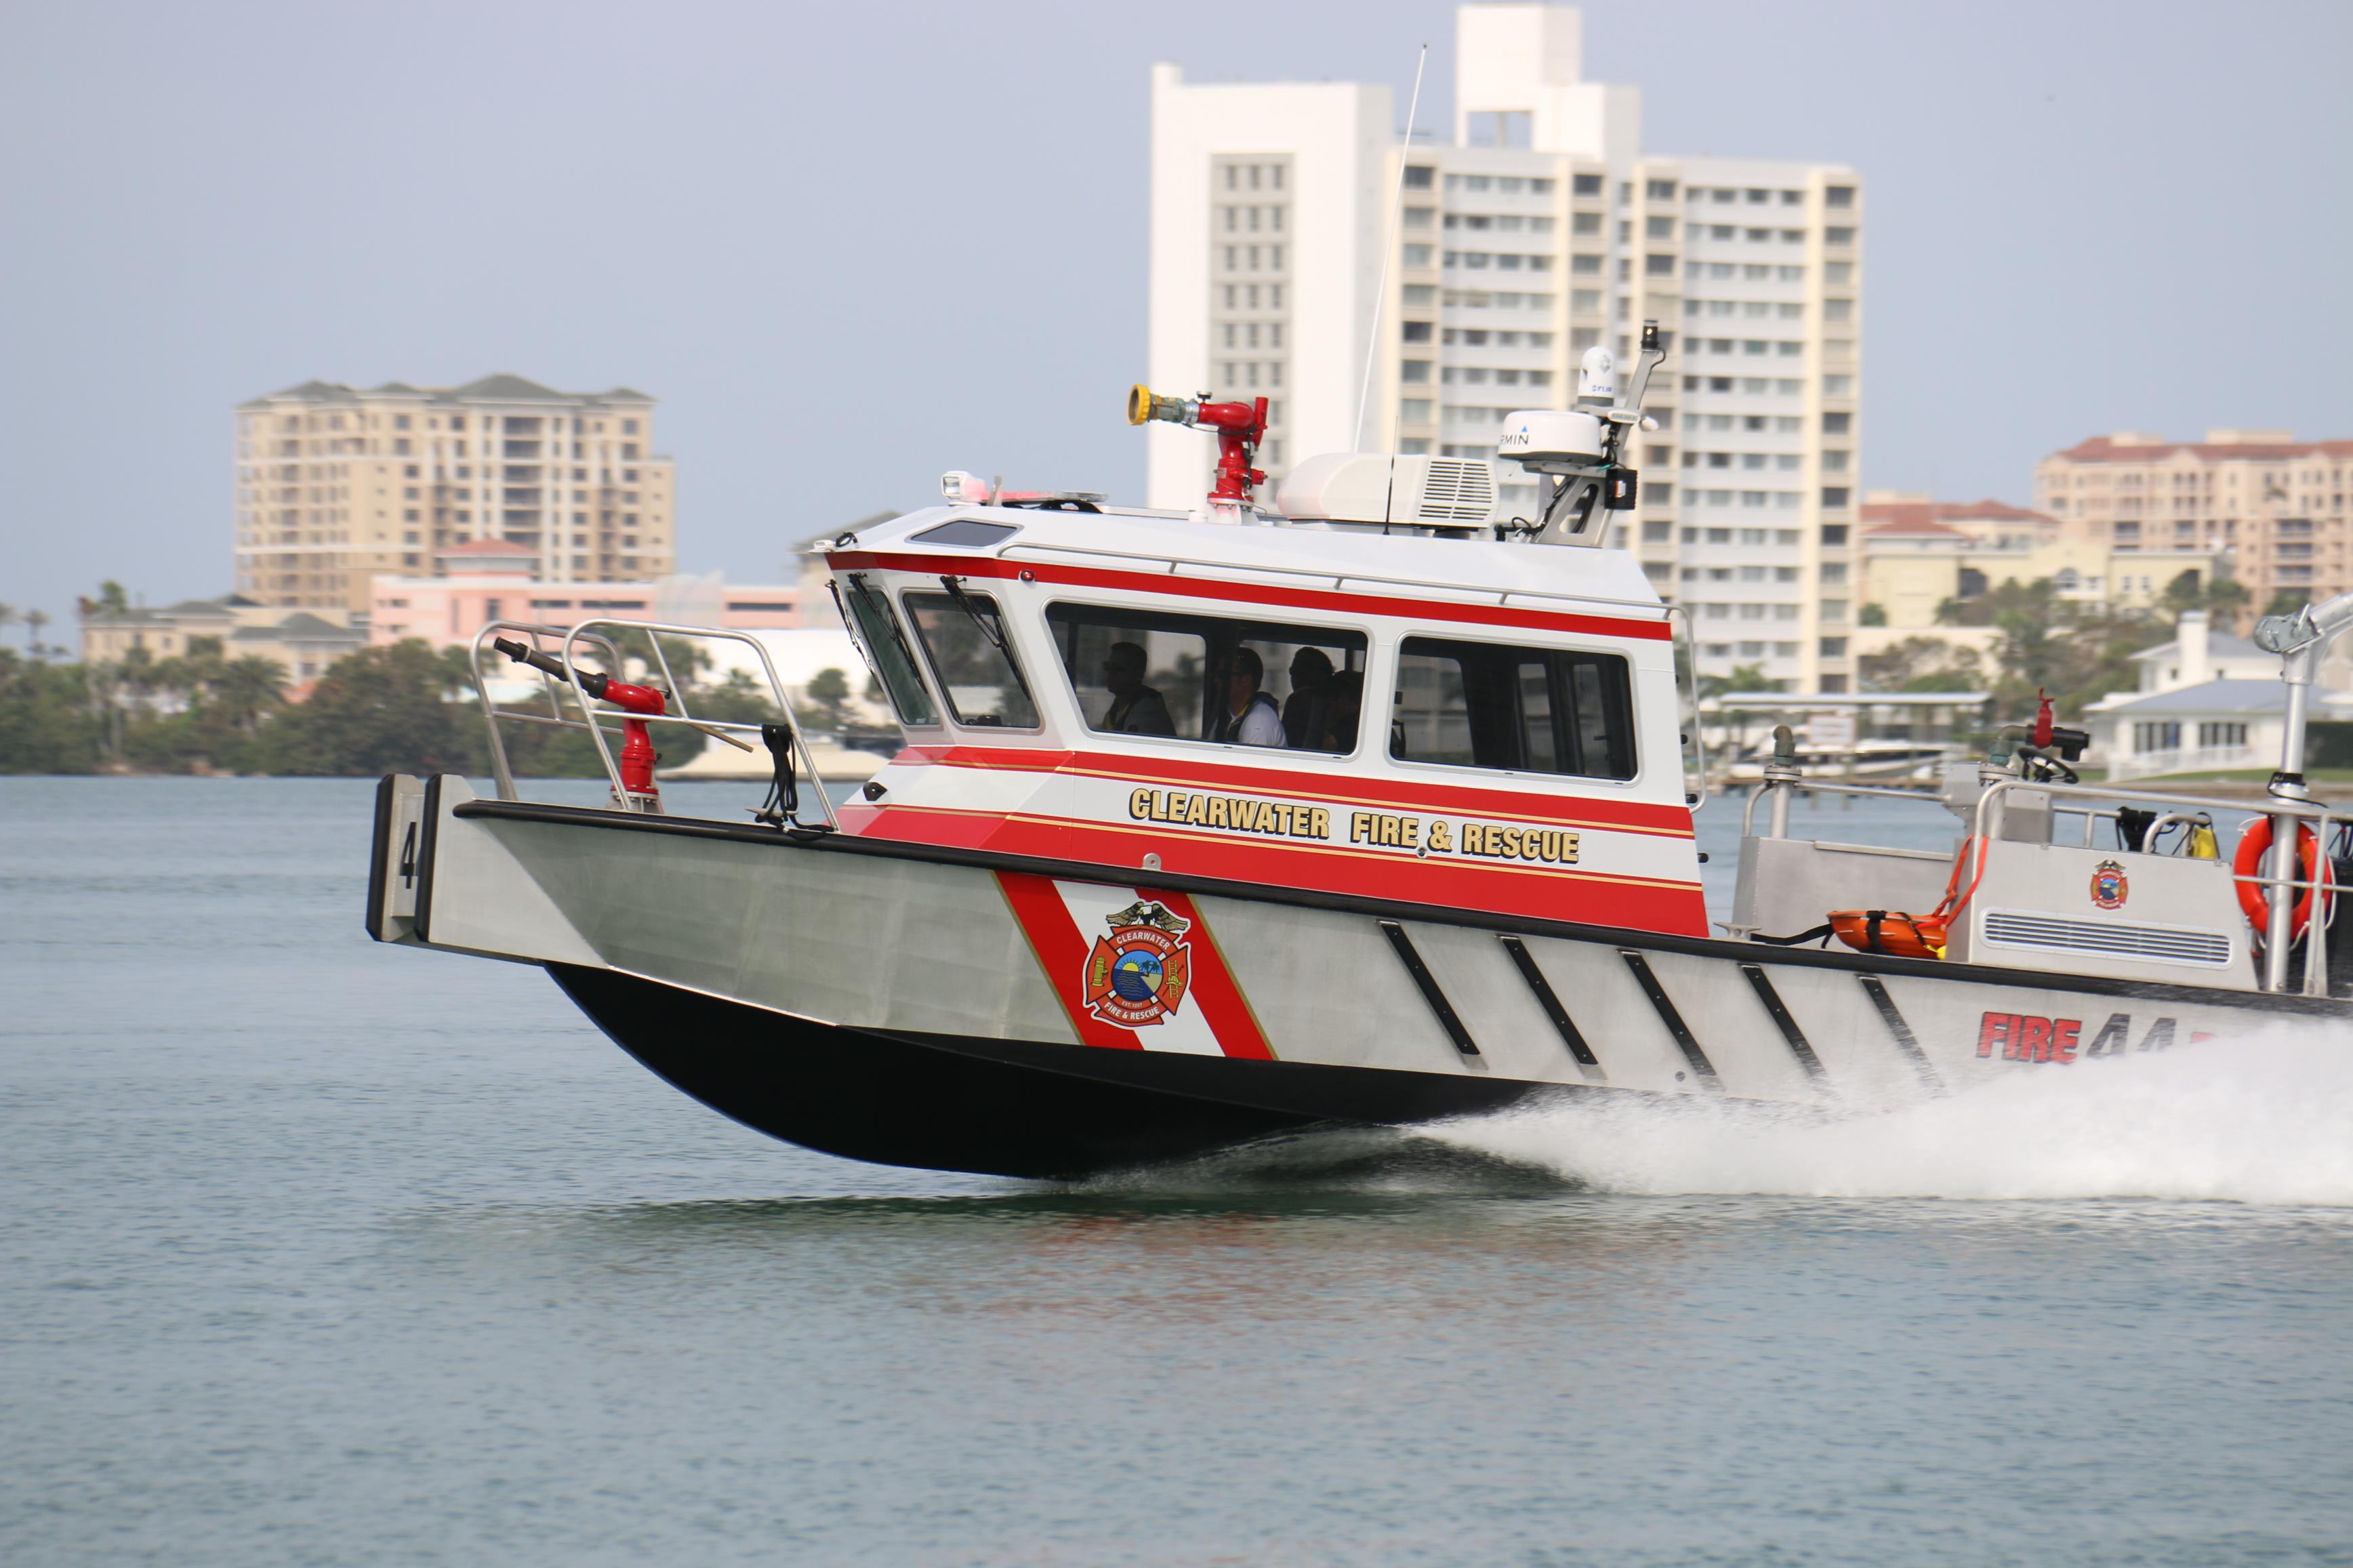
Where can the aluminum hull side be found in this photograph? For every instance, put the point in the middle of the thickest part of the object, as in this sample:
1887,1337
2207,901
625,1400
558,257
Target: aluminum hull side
1008,1108
931,1007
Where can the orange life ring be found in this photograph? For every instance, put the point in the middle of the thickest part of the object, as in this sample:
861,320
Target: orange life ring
2253,843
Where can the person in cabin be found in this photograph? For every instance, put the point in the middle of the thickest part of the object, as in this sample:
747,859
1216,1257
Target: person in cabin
1250,717
1135,709
1347,704
1307,711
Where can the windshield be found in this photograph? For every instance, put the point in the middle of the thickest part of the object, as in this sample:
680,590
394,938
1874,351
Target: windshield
878,628
961,635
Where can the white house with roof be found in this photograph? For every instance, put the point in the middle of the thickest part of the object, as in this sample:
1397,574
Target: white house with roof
2207,701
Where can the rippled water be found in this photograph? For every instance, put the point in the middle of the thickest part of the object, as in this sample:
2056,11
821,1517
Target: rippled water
319,1252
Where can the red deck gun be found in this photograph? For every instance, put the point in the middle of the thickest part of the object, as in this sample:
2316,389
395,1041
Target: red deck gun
637,753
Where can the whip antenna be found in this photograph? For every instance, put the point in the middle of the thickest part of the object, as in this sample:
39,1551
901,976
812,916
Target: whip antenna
1397,213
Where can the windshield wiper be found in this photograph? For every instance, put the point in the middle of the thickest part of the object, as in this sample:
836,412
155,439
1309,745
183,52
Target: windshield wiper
990,627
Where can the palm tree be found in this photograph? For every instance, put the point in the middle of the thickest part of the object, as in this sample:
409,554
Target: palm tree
246,688
8,615
35,621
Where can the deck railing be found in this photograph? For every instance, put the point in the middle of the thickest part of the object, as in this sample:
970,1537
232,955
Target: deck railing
570,708
2091,804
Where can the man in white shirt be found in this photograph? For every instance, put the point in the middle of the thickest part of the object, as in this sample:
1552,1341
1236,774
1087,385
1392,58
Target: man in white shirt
1250,717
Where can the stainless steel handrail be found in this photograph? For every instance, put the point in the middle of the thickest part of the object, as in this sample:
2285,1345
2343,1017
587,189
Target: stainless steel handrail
1749,813
1986,820
1679,617
501,772
654,631
568,639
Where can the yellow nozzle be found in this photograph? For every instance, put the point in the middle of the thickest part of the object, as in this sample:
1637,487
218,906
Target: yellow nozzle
1144,404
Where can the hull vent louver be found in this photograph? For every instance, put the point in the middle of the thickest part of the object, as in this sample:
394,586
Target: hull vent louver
2158,944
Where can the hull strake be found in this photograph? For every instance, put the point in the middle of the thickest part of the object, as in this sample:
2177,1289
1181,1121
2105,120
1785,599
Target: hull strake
1008,1108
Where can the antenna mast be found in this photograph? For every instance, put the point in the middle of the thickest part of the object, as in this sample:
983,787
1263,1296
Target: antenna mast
1396,210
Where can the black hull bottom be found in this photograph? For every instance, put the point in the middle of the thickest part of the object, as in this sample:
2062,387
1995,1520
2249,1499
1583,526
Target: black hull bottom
1008,1108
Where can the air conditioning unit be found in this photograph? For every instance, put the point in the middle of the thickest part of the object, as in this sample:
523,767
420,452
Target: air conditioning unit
1383,486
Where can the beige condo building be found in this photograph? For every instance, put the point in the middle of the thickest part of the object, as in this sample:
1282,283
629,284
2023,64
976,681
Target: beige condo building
337,484
2273,506
1536,226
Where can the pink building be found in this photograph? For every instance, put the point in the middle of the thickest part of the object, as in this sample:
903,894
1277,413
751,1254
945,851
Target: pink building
496,579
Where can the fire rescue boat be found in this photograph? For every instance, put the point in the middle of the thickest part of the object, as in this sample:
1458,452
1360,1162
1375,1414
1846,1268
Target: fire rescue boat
1368,806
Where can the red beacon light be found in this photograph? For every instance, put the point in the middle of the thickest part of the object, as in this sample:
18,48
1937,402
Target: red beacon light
1240,427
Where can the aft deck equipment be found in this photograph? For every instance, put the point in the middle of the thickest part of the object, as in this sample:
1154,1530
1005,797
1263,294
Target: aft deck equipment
1218,825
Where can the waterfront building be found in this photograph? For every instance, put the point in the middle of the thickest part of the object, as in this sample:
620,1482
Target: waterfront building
493,579
1535,228
2274,505
2206,701
1918,553
337,484
303,642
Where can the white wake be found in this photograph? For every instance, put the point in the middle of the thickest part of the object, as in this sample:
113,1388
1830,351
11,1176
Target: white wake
2263,1118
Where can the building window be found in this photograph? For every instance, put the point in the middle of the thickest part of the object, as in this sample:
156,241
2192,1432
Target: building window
1417,176
1587,186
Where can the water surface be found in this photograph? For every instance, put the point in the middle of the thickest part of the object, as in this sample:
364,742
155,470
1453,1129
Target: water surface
319,1252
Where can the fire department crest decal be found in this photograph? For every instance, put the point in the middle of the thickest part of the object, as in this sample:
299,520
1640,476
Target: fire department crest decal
2109,887
1138,973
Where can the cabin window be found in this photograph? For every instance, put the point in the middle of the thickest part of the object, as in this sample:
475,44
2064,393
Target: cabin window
963,636
1212,678
894,661
1524,710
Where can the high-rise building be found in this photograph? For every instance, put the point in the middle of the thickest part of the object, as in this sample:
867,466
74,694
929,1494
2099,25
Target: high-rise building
335,485
1537,229
2275,506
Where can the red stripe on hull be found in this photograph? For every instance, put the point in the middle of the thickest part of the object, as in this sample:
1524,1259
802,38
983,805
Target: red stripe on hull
1631,903
1062,950
1325,599
1222,1002
1634,817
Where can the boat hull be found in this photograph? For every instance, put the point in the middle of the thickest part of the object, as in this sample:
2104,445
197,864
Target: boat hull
964,1009
1008,1108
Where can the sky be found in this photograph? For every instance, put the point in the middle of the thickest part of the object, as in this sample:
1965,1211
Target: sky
850,248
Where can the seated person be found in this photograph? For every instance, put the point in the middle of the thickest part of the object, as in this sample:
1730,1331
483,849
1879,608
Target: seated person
1307,713
1249,716
1135,709
1347,704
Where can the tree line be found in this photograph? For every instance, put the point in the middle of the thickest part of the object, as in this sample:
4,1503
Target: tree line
2045,642
401,707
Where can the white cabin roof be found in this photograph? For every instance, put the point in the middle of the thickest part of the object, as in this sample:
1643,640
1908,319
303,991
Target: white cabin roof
1304,554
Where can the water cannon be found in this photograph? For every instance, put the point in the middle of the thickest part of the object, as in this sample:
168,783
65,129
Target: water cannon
1239,426
1581,450
637,753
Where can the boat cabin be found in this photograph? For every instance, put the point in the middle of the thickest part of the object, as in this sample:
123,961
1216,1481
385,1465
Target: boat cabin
1426,712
